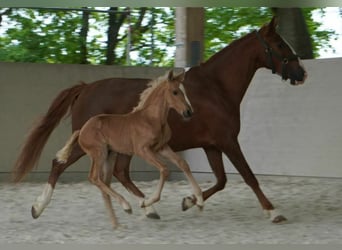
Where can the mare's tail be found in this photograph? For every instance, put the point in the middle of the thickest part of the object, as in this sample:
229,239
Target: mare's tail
37,138
63,154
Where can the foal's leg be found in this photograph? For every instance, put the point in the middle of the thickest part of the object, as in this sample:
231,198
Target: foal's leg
57,169
107,177
215,160
98,161
107,170
121,172
233,151
182,164
152,158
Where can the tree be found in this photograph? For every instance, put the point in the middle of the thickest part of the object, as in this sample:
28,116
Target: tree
41,36
293,28
225,24
145,36
115,20
83,36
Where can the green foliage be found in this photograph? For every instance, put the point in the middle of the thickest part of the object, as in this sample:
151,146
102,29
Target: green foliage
53,36
41,36
225,24
319,38
150,41
235,22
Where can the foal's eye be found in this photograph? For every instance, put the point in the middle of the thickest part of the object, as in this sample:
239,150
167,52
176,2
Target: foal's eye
175,92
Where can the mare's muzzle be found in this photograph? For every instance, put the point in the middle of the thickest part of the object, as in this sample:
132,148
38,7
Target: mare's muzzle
295,78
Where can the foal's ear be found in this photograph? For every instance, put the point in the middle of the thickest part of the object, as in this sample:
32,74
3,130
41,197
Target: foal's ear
170,76
178,78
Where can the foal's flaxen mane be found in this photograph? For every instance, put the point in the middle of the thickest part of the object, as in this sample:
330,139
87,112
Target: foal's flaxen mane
152,85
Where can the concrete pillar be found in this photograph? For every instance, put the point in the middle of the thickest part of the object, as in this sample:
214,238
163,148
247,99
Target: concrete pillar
189,36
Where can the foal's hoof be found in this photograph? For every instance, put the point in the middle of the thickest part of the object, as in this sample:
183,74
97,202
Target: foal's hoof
35,214
153,216
200,207
188,202
119,226
279,219
129,211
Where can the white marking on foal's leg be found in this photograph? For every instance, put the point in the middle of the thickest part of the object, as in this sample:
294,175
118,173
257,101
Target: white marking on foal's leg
42,201
188,202
275,216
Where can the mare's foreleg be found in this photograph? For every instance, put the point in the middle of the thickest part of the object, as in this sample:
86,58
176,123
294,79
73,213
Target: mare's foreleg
57,169
182,164
121,172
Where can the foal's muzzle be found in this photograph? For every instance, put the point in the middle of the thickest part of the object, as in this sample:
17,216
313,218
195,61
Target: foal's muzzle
187,113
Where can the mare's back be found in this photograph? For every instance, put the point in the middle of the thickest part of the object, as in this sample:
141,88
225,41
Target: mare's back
107,96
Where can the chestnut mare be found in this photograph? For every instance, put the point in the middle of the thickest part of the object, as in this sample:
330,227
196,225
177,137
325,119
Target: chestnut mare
144,132
215,89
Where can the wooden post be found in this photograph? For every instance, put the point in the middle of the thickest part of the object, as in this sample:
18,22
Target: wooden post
189,36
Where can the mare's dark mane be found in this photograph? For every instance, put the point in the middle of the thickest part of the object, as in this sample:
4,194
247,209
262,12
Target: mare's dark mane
229,48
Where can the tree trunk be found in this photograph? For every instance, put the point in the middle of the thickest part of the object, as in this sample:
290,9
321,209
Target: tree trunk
292,27
83,36
115,21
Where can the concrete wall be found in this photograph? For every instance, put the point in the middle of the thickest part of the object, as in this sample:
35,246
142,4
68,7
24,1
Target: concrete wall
291,130
286,130
26,91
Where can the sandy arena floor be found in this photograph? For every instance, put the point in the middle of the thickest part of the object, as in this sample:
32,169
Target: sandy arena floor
76,214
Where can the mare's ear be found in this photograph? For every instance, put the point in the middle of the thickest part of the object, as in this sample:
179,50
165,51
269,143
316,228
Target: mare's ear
272,26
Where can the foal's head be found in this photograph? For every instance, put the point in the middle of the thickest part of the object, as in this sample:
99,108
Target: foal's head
175,94
279,56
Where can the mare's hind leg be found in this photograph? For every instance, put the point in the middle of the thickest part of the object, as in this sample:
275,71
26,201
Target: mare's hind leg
57,169
234,153
182,164
121,172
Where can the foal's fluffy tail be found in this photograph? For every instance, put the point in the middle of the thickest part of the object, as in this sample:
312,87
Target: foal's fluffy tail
63,154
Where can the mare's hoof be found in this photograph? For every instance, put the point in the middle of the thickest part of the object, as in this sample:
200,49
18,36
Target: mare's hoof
153,216
129,211
279,219
188,202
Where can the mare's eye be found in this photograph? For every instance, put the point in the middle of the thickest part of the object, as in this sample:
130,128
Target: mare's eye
175,92
280,45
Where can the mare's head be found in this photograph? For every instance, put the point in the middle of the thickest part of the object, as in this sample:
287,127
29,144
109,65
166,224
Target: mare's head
175,94
278,55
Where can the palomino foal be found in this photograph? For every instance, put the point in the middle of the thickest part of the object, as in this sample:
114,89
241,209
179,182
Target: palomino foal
144,132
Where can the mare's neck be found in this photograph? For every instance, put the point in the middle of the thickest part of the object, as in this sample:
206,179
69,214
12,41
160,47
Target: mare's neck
234,66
